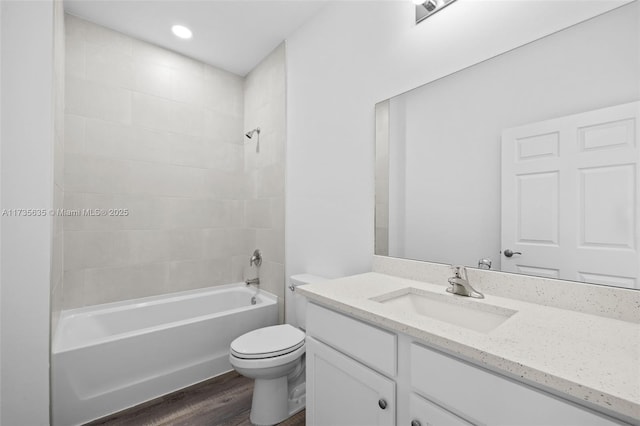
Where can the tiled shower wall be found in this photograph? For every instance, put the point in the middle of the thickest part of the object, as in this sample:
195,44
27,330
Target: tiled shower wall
264,107
161,135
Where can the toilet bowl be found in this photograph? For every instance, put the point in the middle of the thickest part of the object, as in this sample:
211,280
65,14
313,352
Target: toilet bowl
274,358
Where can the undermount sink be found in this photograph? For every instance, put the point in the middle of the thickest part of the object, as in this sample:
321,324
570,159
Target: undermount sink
456,310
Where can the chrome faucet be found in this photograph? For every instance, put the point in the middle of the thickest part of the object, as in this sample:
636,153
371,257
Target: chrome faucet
255,281
256,258
460,284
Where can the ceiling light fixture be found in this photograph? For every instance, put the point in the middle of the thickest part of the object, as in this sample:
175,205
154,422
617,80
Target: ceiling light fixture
181,31
426,8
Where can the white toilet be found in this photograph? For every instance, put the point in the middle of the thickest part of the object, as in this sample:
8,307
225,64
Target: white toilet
274,357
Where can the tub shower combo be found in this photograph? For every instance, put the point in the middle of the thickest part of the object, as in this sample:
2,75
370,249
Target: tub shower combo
113,356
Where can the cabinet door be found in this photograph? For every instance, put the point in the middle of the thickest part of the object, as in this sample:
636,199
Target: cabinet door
341,391
425,413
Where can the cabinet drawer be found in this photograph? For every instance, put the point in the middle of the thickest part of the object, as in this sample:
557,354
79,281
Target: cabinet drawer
366,343
425,413
486,398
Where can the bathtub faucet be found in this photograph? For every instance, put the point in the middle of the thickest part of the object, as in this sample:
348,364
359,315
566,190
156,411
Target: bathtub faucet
256,258
255,281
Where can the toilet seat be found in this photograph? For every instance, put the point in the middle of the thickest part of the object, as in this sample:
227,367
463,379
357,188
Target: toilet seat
268,342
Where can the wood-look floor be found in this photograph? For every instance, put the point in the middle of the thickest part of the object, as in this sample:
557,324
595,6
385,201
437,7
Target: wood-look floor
223,400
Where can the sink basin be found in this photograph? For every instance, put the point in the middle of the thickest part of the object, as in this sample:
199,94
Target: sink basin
456,310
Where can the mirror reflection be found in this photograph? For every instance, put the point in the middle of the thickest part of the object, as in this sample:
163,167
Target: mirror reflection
525,163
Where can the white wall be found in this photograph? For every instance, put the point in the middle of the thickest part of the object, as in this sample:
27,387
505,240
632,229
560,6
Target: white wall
453,130
26,182
353,55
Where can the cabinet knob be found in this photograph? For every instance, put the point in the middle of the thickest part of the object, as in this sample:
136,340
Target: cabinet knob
382,403
415,422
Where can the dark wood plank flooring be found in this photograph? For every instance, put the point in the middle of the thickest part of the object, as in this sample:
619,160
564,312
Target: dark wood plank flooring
223,400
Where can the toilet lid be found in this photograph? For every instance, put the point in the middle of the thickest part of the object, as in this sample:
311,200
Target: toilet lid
268,342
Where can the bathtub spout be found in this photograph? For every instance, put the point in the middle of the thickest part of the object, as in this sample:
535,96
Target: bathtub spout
255,281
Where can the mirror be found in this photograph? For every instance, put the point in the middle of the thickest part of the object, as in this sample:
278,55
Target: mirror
533,153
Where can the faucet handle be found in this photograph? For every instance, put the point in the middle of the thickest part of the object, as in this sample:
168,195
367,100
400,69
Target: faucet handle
256,258
459,271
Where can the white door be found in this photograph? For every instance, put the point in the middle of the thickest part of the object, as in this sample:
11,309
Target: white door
570,203
343,392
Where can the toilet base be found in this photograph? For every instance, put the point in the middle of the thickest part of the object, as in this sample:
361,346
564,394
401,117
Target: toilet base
270,401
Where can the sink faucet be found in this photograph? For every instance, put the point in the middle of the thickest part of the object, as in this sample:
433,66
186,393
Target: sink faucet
460,284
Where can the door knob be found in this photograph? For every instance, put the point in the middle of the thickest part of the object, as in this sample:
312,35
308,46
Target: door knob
415,423
382,404
509,252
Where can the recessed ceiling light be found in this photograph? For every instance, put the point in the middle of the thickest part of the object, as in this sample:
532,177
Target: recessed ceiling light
181,31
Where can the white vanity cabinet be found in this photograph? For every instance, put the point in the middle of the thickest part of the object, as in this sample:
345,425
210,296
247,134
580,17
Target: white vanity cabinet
344,361
480,397
344,392
359,374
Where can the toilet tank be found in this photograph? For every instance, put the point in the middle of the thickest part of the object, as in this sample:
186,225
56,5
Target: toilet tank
299,301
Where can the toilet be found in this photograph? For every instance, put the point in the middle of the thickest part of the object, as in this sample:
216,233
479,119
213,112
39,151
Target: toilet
274,357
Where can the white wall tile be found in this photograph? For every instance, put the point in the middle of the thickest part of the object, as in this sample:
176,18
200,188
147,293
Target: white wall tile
198,273
105,285
222,184
73,289
102,36
187,150
152,78
75,57
270,181
74,133
264,106
187,87
186,244
186,119
242,241
103,138
95,174
271,242
151,112
147,246
216,244
108,65
90,99
83,250
224,156
258,213
162,135
224,92
149,145
222,127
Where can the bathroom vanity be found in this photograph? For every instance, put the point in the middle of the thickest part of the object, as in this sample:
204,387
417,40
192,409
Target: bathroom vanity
387,350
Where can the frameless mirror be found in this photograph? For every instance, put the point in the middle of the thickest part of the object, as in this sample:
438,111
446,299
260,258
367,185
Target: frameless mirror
527,162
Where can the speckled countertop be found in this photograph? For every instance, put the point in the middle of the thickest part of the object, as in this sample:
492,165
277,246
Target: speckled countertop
583,356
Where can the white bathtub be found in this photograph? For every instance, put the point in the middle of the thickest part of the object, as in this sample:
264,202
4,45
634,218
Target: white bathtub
113,356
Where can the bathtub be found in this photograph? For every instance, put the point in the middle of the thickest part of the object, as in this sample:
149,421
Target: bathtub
106,358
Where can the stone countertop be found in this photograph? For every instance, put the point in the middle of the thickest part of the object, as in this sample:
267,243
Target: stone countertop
582,356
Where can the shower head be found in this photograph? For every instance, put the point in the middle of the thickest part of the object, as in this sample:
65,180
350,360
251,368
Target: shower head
250,133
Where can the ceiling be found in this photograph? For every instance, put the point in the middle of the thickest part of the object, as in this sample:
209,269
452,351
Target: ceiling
234,35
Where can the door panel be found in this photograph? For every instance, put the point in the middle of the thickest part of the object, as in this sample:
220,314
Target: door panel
569,197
